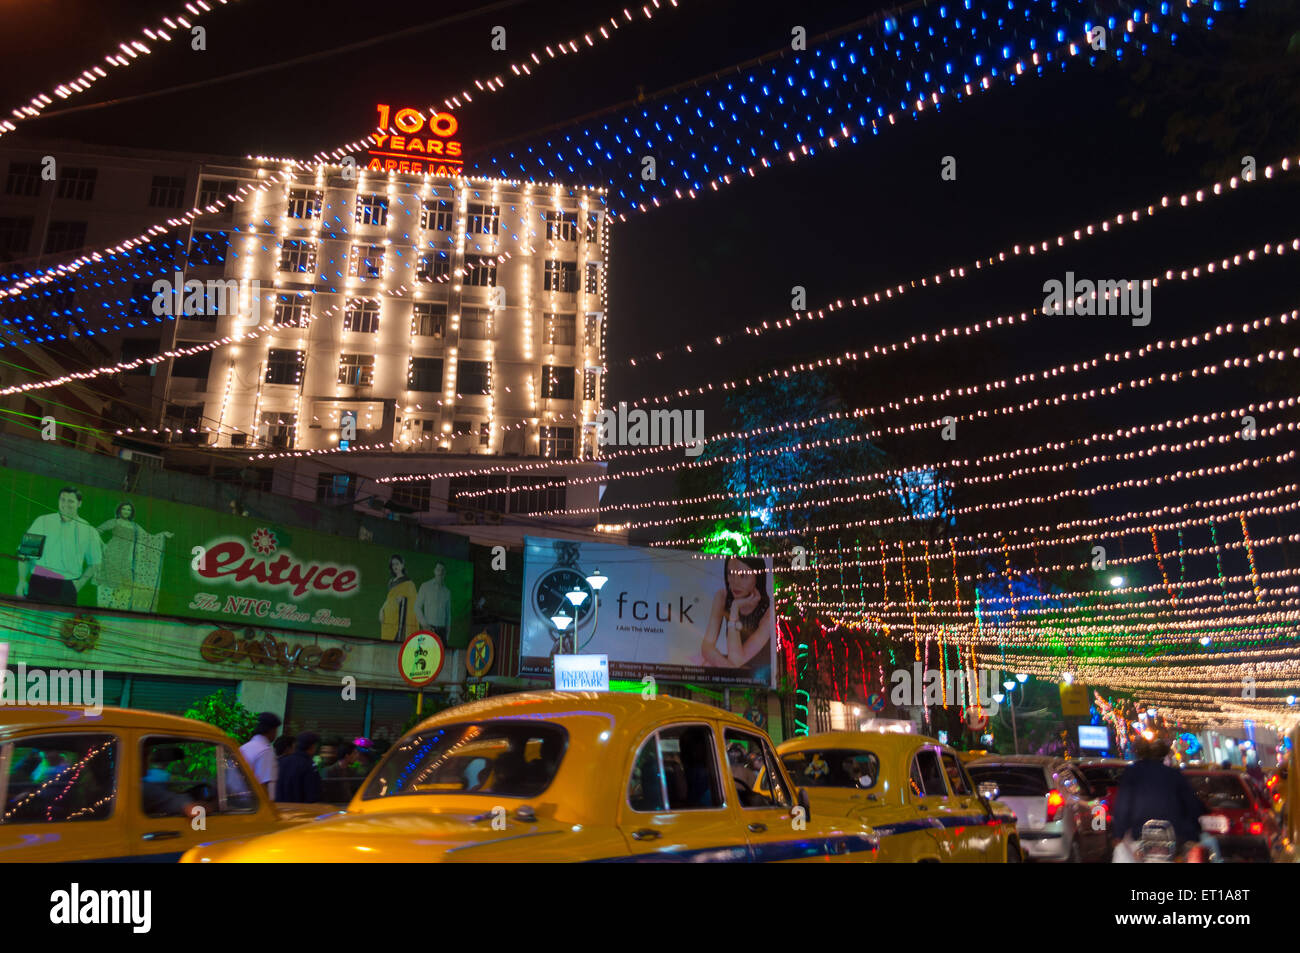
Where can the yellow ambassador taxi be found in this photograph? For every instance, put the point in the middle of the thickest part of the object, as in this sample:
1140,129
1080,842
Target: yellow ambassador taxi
122,785
912,790
568,776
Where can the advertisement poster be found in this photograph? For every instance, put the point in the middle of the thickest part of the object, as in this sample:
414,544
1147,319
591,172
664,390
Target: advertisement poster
82,546
673,615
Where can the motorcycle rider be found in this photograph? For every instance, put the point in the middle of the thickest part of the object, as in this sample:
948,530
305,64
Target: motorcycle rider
1150,790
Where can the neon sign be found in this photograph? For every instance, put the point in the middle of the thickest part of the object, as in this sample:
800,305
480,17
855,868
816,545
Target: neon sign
412,144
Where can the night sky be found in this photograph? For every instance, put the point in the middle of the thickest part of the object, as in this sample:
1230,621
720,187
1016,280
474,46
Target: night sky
1033,160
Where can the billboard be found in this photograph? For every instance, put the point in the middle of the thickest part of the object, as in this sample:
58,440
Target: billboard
83,546
674,615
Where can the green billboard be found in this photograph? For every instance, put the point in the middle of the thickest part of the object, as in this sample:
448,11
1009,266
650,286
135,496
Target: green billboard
89,547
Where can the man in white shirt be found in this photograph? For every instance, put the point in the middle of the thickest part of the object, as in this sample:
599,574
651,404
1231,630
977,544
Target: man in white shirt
260,753
433,603
71,552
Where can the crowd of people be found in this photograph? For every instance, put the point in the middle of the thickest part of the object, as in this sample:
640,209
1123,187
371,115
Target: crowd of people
303,770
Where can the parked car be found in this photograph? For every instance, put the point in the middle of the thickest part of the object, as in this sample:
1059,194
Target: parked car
121,785
1057,816
1102,776
912,790
571,776
1250,829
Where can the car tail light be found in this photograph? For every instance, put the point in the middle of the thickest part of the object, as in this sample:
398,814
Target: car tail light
1054,801
1255,827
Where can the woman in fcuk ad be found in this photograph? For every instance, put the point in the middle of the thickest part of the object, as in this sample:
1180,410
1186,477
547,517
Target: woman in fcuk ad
742,612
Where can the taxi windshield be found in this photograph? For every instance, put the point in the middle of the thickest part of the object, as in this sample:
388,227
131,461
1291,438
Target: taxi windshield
832,768
499,758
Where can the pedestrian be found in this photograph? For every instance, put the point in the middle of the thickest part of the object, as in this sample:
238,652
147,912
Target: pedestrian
283,745
338,787
260,754
299,783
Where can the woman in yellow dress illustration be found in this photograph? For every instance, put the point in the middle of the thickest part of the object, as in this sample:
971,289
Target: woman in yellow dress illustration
397,617
132,567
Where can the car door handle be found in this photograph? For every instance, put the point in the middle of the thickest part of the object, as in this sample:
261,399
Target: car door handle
646,833
757,828
922,807
161,835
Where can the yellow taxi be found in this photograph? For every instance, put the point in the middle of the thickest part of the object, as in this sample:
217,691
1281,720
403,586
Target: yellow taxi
570,776
123,785
913,791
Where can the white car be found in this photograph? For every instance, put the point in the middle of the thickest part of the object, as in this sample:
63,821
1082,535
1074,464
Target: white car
1057,816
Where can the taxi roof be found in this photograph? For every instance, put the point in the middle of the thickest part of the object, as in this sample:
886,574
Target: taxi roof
628,709
888,740
20,717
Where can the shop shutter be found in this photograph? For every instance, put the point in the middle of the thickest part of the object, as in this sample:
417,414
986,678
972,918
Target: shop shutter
389,713
172,696
324,711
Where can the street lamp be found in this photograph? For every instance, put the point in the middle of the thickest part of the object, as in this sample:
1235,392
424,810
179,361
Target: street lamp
1010,685
597,582
1117,582
576,597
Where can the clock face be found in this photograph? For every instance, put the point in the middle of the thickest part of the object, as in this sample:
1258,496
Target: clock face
550,597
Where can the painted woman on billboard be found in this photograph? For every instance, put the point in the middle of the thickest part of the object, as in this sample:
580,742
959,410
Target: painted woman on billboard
742,618
132,569
397,617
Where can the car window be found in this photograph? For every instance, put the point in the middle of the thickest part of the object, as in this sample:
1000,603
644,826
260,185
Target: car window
748,756
676,770
957,779
1220,790
833,768
1013,780
504,758
55,778
926,776
177,773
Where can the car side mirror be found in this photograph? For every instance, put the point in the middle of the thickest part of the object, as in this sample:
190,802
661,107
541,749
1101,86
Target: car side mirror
988,790
805,803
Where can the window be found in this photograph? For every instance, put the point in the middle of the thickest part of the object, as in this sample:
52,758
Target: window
462,427
366,261
484,434
474,378
436,214
476,324
493,502
361,314
561,276
279,428
557,382
209,248
135,349
64,236
957,779
560,329
167,191
833,768
57,778
357,369
77,184
413,494
303,203
538,494
748,756
193,365
480,271
926,776
182,772
483,219
420,432
335,487
562,226
24,179
211,190
425,374
555,442
292,310
593,227
676,770
433,266
590,384
372,209
591,331
429,319
283,366
298,256
15,236
1013,780
593,278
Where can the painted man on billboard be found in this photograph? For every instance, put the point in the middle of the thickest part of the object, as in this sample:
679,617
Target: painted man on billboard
433,603
60,553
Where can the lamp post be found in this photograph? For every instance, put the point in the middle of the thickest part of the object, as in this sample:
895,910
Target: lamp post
597,582
577,597
1010,686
